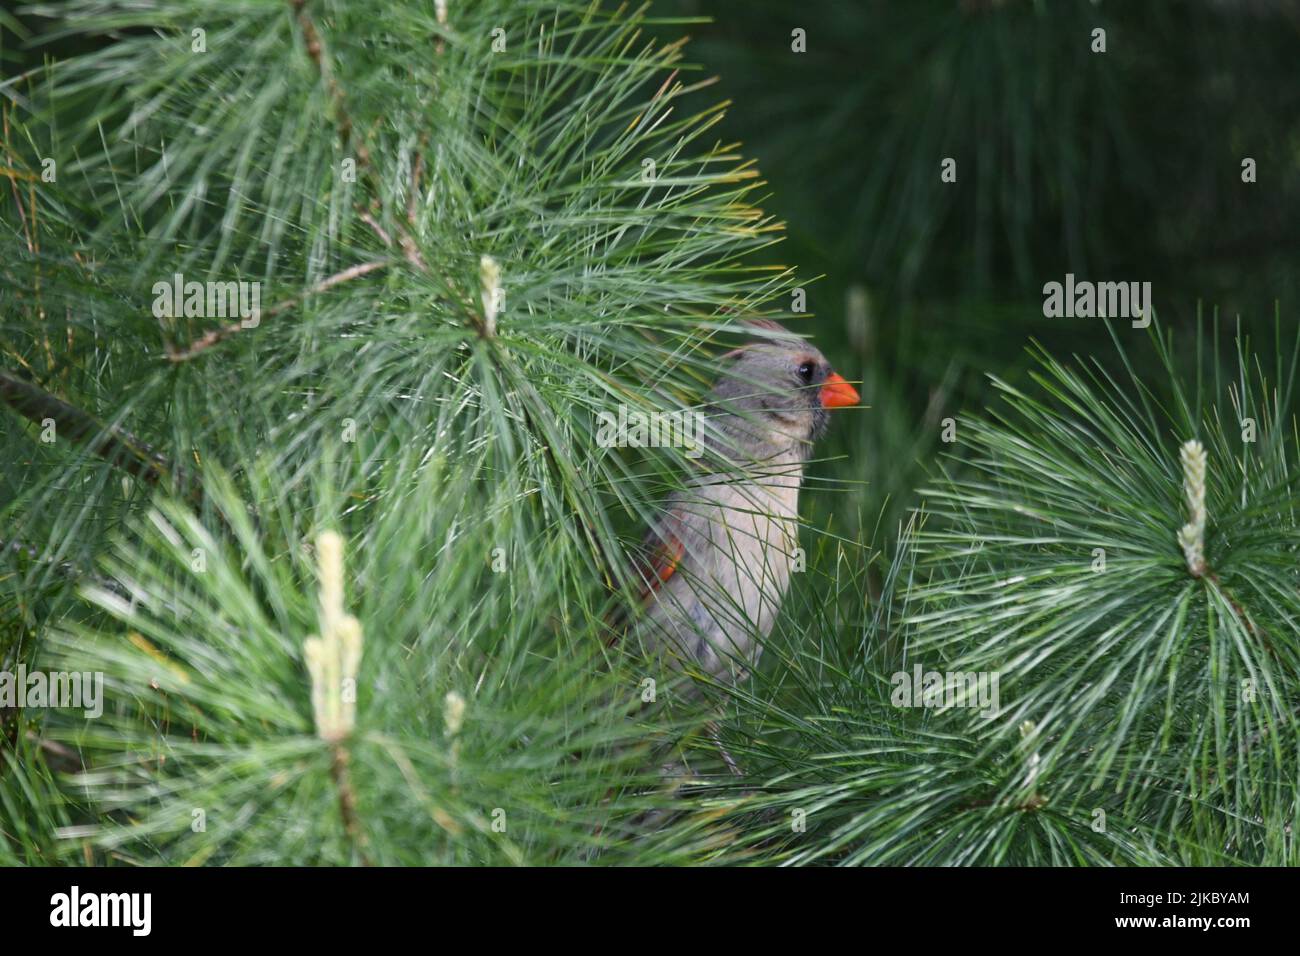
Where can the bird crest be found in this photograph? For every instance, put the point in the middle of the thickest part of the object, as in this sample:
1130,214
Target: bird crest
764,331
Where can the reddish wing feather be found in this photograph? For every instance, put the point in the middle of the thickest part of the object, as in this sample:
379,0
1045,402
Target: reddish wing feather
661,554
661,562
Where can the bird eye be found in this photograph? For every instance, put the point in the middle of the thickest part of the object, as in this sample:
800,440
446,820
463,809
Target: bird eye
806,371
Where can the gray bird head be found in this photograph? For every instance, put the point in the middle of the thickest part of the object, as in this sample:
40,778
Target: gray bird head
775,394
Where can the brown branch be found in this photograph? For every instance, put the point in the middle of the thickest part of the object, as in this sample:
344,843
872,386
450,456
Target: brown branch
412,251
348,803
378,230
115,445
416,172
338,102
315,50
343,118
226,331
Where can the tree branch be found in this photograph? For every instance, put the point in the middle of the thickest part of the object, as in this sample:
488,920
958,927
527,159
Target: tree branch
348,803
206,342
343,119
115,445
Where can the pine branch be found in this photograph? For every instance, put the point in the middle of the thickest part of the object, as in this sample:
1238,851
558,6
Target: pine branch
343,120
339,759
315,50
113,444
218,335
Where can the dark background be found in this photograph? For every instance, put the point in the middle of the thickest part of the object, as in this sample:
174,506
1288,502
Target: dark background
1117,166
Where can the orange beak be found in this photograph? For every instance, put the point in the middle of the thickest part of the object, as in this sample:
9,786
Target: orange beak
837,393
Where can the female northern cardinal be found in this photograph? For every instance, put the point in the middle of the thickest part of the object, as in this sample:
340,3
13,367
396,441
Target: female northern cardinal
717,564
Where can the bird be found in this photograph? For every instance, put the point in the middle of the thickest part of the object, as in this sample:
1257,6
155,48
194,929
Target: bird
715,565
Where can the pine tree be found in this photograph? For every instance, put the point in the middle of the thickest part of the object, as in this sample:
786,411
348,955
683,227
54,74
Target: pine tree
1119,553
309,313
471,228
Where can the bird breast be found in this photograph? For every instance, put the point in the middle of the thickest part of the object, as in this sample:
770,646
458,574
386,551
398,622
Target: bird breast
739,540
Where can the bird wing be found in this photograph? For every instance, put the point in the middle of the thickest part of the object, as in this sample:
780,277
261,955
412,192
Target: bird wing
663,552
657,560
